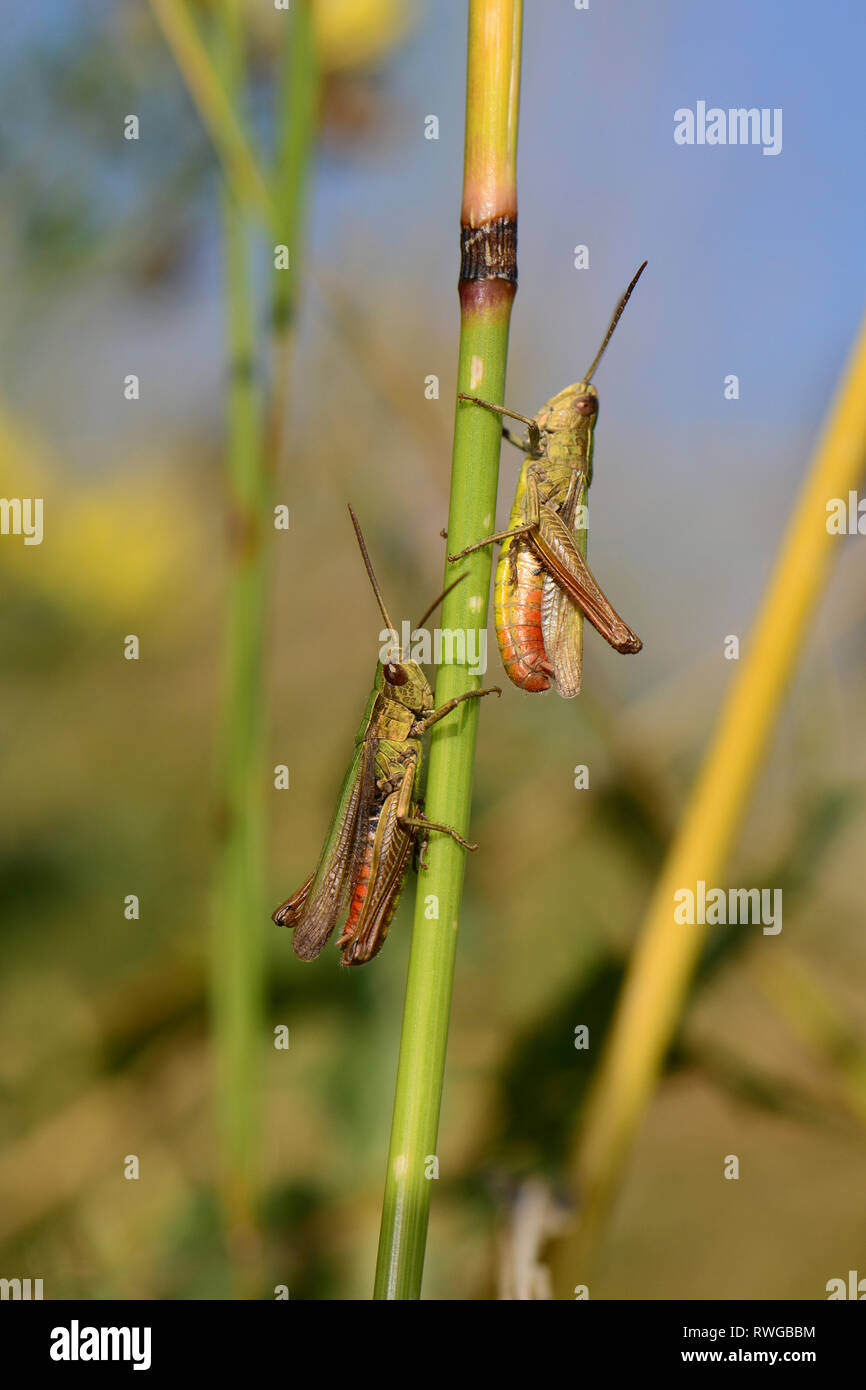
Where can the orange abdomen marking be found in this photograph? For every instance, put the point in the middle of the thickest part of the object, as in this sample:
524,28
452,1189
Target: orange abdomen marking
362,880
517,615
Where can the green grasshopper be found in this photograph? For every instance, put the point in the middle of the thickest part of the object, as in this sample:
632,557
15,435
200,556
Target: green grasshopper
379,818
543,584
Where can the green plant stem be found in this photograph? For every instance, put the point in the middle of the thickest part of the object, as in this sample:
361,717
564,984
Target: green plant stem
216,85
237,974
296,131
489,196
215,102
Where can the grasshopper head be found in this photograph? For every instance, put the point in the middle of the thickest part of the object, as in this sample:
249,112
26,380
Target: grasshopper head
405,682
576,402
572,409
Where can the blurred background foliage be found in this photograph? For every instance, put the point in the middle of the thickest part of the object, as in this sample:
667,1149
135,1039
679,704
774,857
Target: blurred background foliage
111,262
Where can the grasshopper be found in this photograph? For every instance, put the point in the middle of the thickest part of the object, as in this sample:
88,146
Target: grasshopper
379,818
543,584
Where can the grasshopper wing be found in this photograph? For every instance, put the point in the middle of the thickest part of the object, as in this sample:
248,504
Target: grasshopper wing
287,913
565,564
561,619
315,907
562,626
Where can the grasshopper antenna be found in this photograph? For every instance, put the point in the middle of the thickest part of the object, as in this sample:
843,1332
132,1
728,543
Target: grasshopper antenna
614,321
370,573
436,602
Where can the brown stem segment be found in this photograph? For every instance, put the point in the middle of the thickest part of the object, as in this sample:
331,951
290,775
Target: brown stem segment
489,252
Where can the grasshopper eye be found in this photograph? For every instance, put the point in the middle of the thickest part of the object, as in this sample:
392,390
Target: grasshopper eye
586,405
395,674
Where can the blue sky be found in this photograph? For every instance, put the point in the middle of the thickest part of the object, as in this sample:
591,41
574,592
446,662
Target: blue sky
756,263
756,267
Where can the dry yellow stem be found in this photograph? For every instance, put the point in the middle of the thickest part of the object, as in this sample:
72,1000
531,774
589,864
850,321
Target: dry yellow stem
666,953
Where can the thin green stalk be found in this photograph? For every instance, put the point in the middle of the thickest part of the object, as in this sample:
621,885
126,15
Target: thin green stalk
237,971
296,131
216,84
215,103
487,286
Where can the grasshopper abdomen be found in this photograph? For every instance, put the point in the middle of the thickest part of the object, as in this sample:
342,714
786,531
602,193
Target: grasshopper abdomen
517,617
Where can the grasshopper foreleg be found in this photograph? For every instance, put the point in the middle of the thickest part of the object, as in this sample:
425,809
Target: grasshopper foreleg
422,725
534,440
522,444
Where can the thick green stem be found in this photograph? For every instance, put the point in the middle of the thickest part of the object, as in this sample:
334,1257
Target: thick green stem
488,278
237,974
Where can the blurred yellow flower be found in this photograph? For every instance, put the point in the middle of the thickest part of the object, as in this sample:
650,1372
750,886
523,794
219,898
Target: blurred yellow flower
349,33
358,33
110,550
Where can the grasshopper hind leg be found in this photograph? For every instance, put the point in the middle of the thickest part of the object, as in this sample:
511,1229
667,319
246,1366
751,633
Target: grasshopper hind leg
420,822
